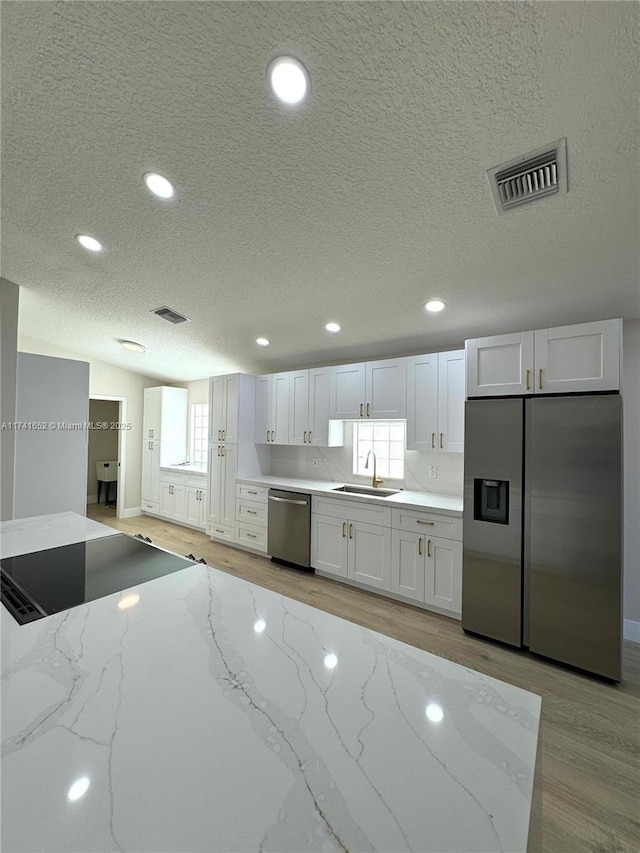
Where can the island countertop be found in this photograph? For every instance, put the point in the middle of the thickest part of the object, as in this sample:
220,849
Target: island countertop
215,715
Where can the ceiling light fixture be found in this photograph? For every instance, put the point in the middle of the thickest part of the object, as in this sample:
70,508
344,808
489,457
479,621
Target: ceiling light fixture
159,185
132,346
434,306
262,342
334,328
289,80
89,243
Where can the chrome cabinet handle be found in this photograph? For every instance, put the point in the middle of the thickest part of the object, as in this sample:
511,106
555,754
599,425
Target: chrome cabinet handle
251,512
218,530
441,434
267,435
251,493
250,535
222,451
429,523
288,501
351,531
433,440
224,434
344,529
309,436
218,450
428,547
273,434
420,546
368,410
304,439
361,409
219,431
527,379
540,380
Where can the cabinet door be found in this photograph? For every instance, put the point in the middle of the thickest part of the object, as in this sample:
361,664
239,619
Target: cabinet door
151,471
386,387
422,402
280,408
299,426
500,365
585,357
408,552
322,431
179,491
369,547
329,544
443,574
230,420
451,401
166,499
229,455
151,418
348,392
193,506
217,407
263,409
214,488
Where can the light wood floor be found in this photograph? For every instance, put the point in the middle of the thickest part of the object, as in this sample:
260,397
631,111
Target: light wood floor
590,730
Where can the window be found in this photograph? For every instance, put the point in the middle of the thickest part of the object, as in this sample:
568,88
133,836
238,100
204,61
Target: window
199,433
387,440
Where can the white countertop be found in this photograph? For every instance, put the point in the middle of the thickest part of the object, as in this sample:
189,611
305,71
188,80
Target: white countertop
445,504
189,469
196,731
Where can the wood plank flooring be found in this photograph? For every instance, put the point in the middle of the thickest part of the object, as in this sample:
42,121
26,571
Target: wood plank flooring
590,729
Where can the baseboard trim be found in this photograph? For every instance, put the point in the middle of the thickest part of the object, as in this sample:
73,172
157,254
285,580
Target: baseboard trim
92,499
631,630
132,512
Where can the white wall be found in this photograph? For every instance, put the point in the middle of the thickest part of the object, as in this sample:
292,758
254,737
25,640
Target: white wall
336,463
631,408
9,300
109,381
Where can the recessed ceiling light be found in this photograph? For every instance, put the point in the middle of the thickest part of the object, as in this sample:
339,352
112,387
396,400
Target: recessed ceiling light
334,328
133,346
289,80
262,342
435,305
89,243
159,185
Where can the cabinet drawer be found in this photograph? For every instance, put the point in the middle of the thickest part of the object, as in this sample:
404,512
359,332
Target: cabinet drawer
251,536
198,481
429,523
150,506
258,494
251,512
370,513
175,477
221,531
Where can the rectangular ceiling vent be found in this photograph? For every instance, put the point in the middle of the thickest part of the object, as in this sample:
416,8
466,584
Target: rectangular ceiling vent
171,316
538,174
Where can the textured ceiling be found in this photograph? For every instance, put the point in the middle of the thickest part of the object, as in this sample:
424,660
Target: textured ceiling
356,207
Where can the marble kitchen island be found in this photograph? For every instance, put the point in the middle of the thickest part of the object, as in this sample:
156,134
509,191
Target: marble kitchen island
215,715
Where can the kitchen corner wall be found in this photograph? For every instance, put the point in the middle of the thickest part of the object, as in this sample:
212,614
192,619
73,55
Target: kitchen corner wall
336,463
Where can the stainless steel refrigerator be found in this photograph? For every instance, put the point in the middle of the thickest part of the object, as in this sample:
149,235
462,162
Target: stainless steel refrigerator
542,537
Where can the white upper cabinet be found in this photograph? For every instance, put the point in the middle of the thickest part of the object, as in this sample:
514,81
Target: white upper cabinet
299,407
165,419
272,408
585,357
223,408
500,365
376,389
435,402
563,360
309,397
151,418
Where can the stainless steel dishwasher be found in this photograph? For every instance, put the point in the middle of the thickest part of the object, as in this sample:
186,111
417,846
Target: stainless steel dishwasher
289,528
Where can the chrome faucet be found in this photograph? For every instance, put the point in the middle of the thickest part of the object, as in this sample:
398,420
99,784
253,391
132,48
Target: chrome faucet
375,480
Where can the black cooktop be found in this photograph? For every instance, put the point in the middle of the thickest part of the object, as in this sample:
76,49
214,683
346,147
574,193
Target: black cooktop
45,582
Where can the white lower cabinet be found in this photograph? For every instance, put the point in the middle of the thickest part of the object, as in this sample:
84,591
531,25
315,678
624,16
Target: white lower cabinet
407,567
183,498
173,499
427,569
329,544
369,554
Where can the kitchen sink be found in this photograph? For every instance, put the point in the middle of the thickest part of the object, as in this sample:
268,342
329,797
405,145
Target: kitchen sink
367,490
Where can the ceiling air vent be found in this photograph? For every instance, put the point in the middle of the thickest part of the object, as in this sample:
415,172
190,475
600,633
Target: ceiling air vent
538,174
171,316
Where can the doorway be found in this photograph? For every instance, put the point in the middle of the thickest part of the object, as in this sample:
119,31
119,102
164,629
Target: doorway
106,455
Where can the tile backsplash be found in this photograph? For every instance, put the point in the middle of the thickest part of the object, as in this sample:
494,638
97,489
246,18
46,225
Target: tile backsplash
336,463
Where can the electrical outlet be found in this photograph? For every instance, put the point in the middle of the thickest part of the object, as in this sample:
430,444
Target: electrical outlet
315,461
433,471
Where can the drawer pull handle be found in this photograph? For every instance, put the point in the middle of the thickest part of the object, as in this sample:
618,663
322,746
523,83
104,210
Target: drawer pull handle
428,523
420,546
251,512
250,535
219,531
428,547
251,493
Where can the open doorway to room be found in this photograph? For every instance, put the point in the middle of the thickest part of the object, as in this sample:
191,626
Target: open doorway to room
106,455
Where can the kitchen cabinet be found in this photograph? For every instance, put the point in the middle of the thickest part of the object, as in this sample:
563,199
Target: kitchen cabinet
223,408
196,506
251,516
566,359
309,401
151,475
375,389
435,402
164,419
173,499
272,409
222,487
352,540
183,498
